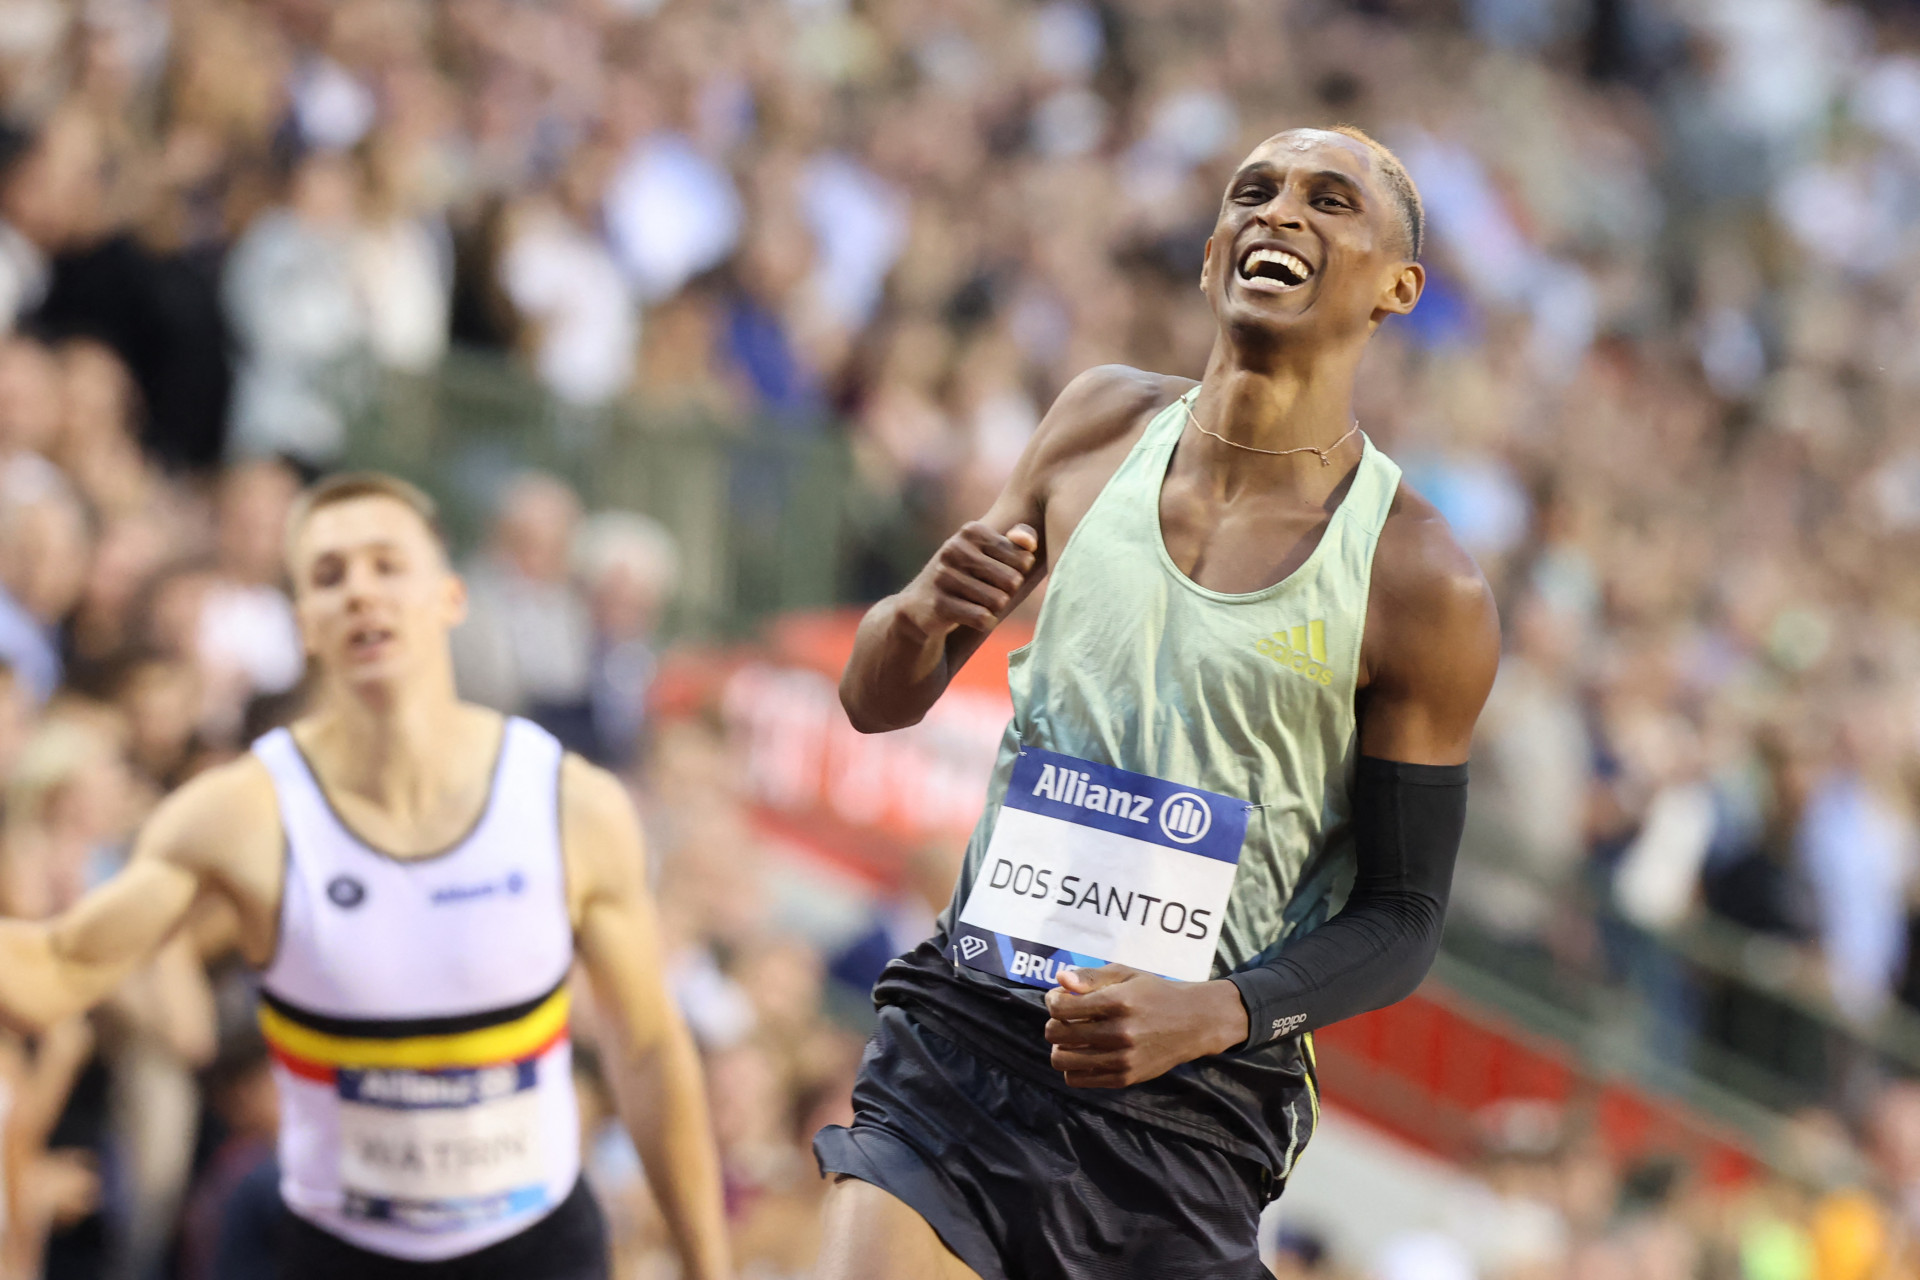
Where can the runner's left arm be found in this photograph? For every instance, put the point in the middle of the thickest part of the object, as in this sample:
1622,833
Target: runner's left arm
1436,647
1426,683
652,1066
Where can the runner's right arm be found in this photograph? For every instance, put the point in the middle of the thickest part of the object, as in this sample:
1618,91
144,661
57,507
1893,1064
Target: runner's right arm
911,644
52,969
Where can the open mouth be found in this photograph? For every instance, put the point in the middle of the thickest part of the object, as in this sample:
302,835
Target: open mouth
1276,268
367,640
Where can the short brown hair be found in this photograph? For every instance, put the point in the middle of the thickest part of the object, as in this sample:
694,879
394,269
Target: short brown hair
346,486
1413,214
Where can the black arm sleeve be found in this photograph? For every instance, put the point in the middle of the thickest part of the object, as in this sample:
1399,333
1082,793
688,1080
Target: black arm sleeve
1407,820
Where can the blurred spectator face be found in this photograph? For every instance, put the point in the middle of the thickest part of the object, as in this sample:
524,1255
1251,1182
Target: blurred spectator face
1896,1135
44,553
255,498
534,532
1547,636
173,610
129,552
325,191
29,397
91,801
98,446
630,565
98,396
16,720
783,979
373,592
56,193
1347,230
69,795
748,1104
160,698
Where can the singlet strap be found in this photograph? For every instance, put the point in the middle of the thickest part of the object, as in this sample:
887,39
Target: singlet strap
526,765
1375,486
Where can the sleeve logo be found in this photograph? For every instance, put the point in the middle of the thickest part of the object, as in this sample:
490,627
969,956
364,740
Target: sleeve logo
1281,1026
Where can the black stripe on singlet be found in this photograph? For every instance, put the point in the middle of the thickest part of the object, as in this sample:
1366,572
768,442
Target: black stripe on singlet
406,1028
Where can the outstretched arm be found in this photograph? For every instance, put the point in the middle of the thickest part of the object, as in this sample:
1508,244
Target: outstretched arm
53,969
652,1067
1434,645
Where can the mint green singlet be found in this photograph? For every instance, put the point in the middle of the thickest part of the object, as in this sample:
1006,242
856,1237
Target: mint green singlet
1133,664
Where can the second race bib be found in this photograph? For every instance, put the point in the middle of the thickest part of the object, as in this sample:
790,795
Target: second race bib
1092,865
441,1150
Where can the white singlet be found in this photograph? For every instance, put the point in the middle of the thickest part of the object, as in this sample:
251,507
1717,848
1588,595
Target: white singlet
416,1009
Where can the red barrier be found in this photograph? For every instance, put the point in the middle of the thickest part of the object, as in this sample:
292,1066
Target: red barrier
1425,1068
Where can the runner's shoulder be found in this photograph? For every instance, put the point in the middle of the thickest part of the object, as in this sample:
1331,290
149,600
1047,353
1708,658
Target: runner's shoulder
1100,408
601,842
1427,589
226,812
592,796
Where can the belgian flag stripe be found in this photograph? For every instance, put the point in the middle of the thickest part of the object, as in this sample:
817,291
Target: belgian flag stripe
308,1051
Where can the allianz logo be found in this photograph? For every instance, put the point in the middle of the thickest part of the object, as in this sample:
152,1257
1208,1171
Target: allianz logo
512,884
436,1089
1301,650
1067,786
1184,816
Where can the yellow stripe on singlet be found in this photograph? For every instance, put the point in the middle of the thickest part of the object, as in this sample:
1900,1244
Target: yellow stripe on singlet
507,1042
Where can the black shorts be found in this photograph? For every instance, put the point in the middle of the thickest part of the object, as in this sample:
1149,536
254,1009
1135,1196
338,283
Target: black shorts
1024,1183
568,1244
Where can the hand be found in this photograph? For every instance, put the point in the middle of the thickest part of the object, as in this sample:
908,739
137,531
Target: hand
1115,1026
66,1184
972,580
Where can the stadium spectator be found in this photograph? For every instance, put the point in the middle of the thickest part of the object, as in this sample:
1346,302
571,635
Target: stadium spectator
290,297
44,553
527,644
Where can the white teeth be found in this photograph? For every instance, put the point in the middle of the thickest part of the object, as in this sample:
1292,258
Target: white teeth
1287,262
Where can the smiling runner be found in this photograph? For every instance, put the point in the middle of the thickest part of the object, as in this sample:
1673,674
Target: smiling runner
1252,687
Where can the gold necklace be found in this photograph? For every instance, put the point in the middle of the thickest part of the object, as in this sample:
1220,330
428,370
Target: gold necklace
1320,453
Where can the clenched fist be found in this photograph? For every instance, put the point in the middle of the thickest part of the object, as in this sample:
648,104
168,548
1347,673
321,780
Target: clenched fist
1115,1026
972,581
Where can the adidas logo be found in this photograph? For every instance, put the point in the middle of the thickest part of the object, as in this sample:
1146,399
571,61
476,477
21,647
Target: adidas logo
1301,650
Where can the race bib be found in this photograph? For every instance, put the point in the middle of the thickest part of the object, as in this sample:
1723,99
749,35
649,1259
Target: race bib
1092,865
441,1150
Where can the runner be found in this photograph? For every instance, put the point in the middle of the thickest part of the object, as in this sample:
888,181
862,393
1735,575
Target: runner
1253,683
413,876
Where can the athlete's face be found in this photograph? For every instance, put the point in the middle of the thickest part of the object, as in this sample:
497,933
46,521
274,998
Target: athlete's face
373,591
1309,242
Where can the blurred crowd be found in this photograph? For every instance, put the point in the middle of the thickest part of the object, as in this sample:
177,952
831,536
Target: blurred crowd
1663,383
1548,1200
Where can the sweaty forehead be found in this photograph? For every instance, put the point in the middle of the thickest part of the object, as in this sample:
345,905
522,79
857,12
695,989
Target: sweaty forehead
1320,146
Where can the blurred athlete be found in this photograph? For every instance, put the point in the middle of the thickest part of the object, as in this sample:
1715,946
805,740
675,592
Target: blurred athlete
413,876
1253,682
